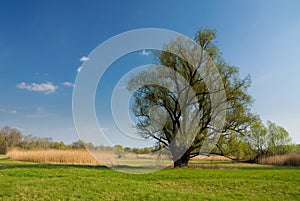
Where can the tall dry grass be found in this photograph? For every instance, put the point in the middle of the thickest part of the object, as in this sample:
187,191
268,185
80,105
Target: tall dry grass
211,158
286,160
82,157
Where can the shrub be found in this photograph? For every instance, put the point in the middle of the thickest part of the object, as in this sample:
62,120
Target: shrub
3,144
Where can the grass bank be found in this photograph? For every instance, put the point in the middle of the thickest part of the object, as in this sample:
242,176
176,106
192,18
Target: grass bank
32,181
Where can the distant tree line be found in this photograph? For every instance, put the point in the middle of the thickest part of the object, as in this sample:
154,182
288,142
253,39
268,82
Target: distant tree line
13,138
256,142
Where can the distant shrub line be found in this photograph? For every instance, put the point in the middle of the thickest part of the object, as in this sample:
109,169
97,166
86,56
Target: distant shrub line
12,138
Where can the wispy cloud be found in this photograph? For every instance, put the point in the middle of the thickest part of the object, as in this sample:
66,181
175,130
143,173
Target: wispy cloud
8,111
79,69
84,58
46,88
145,53
68,84
13,112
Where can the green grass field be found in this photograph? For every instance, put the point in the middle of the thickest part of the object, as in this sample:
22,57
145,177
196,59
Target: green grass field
32,181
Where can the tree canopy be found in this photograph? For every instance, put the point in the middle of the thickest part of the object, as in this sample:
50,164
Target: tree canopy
189,108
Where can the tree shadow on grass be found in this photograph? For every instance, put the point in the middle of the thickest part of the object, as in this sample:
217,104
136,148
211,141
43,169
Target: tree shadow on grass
12,164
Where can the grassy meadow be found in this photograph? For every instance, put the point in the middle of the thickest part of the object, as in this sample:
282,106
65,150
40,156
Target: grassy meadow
211,180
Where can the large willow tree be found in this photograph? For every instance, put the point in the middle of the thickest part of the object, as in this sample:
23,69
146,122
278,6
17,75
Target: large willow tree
172,109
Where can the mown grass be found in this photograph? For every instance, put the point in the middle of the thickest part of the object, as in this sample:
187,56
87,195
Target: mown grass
32,181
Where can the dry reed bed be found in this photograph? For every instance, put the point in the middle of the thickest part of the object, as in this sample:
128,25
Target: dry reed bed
81,157
210,158
287,160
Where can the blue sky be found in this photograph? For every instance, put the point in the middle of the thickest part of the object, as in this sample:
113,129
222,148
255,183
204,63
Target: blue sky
42,43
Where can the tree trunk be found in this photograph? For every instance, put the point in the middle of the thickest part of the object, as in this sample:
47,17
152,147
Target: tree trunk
182,161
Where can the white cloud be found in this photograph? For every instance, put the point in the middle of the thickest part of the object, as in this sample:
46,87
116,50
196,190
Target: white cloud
13,112
145,53
68,84
79,69
46,88
84,58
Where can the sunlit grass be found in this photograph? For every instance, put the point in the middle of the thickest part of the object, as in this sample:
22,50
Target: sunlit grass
36,181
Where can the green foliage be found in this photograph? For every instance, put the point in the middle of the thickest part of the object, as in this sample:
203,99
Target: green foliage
136,150
296,148
258,139
278,138
78,145
59,145
269,140
127,149
256,142
238,103
234,147
118,149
